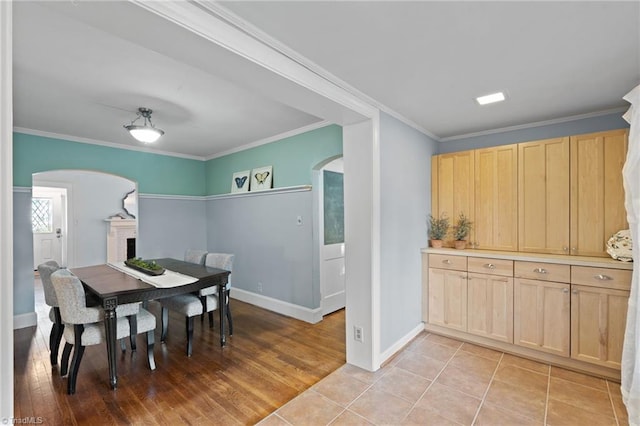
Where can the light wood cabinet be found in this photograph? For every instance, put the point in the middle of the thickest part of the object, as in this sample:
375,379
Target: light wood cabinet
599,299
496,198
543,196
555,196
448,298
598,318
597,191
542,315
452,187
490,306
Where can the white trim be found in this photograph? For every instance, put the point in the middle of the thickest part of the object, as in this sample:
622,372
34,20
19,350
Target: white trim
6,210
376,269
399,344
274,191
301,313
172,197
30,319
103,143
22,189
212,26
534,124
274,138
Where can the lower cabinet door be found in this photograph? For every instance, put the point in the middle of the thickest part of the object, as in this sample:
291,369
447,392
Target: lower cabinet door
490,306
598,318
448,298
542,315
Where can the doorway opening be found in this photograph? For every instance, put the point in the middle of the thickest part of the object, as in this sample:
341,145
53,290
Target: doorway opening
329,181
49,225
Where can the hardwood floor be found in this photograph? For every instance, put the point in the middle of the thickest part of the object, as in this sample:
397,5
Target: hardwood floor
268,361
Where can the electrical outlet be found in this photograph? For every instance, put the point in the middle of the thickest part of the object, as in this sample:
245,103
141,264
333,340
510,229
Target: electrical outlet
358,334
259,287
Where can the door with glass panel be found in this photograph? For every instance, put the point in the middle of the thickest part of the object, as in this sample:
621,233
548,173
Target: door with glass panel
48,223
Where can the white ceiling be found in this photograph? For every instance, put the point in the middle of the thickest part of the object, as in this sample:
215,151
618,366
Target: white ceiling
82,69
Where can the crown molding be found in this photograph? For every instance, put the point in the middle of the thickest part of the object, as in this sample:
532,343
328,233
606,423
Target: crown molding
270,139
103,143
534,124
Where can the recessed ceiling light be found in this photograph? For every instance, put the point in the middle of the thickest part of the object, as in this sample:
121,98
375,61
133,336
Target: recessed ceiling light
489,99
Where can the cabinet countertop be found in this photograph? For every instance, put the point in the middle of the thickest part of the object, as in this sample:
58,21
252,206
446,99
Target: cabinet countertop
601,262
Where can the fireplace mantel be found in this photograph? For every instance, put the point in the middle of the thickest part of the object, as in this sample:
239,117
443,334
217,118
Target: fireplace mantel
120,230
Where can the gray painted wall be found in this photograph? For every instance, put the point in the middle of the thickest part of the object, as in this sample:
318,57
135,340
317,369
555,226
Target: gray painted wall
576,127
94,197
269,246
405,204
169,226
23,301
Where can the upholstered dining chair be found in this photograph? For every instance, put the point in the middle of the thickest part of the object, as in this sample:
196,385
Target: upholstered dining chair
195,256
221,261
189,305
85,326
45,270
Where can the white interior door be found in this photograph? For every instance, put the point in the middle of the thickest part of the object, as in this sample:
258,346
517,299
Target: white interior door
48,218
331,221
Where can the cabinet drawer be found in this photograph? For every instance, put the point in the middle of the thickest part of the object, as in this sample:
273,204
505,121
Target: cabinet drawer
485,265
619,279
543,271
442,261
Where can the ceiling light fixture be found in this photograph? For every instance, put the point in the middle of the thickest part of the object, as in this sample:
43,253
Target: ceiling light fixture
489,99
146,133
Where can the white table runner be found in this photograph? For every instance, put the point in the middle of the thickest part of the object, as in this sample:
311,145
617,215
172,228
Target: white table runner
166,280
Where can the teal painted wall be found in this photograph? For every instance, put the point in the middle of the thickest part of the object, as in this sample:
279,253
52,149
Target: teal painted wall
292,159
155,174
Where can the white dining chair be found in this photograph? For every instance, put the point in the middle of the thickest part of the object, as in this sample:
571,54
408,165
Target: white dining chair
85,326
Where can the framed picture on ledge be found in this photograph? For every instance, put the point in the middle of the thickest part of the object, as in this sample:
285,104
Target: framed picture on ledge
261,178
240,182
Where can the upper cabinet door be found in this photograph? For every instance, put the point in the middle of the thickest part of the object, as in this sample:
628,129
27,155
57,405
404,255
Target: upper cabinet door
453,186
543,187
597,191
496,198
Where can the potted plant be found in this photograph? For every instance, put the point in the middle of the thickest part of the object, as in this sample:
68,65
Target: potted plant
438,227
461,231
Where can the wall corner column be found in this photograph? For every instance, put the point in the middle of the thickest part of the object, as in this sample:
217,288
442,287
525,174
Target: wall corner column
6,211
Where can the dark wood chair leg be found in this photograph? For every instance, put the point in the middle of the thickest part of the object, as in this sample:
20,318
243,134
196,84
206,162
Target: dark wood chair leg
165,323
133,329
189,335
78,351
228,306
56,336
210,319
66,353
150,343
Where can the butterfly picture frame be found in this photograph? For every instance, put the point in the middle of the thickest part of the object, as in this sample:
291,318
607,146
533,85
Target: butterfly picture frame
261,178
241,181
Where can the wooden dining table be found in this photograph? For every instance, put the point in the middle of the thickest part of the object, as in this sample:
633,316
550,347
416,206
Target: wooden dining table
112,287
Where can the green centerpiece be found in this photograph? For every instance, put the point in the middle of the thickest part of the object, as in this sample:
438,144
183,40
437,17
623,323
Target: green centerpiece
148,267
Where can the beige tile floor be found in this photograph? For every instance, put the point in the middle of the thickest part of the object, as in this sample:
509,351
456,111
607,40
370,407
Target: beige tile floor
440,381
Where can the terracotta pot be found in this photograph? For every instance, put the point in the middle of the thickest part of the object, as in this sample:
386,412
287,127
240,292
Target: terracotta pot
460,244
436,243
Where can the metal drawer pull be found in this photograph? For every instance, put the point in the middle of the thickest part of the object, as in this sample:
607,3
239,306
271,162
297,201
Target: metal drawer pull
540,271
602,277
489,265
565,290
446,262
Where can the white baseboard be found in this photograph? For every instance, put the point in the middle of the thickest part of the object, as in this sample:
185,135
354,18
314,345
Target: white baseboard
401,343
25,320
285,308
